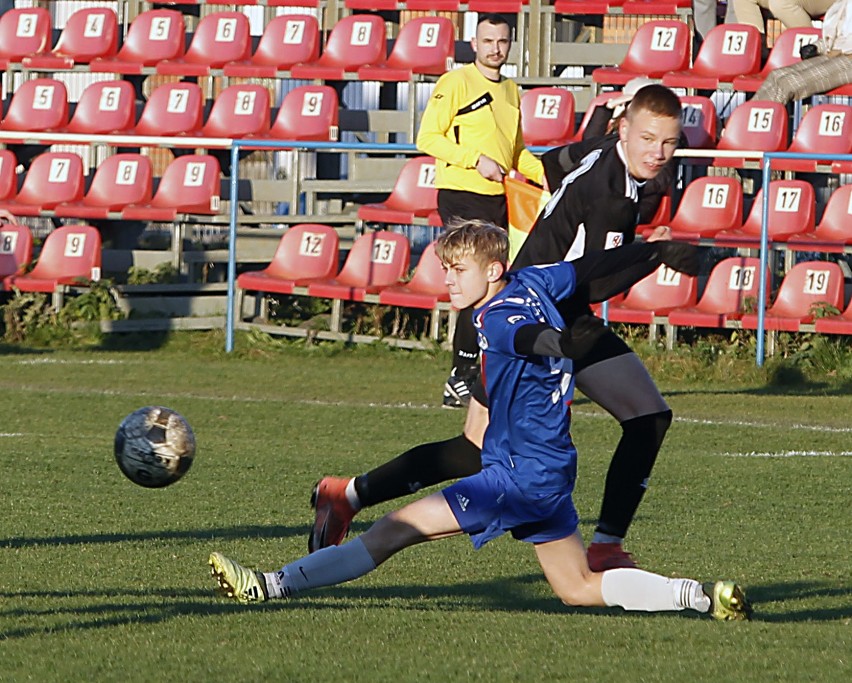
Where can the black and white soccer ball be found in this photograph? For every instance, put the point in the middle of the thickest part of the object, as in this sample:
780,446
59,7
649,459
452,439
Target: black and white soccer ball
154,446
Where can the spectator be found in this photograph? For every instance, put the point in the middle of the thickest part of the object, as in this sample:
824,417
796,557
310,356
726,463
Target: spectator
791,13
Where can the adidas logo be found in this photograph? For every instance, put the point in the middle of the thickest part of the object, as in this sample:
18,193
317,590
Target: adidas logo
463,502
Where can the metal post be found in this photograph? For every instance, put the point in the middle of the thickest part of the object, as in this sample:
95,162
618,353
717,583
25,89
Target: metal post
764,262
232,246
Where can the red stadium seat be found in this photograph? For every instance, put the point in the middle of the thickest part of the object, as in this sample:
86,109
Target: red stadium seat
659,46
287,40
355,41
153,37
728,51
547,116
784,52
90,33
805,285
190,184
425,45
753,126
824,129
652,7
172,109
835,324
38,105
371,5
834,231
698,115
53,178
733,283
16,251
597,101
220,38
585,6
293,3
308,112
654,295
414,194
426,287
306,252
239,111
499,6
120,180
708,205
377,260
432,5
23,32
105,107
70,255
8,175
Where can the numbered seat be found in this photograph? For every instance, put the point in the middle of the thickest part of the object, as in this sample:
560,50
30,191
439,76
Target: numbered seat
834,231
89,33
657,47
119,181
190,184
753,126
153,36
792,210
239,111
654,296
16,251
306,252
426,288
105,107
425,45
39,105
728,51
547,116
355,41
731,290
308,112
709,205
173,109
824,129
785,51
23,32
805,287
570,7
287,40
414,194
835,324
219,38
53,178
71,255
698,115
653,7
597,101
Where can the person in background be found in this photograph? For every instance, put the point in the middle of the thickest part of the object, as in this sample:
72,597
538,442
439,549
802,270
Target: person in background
791,13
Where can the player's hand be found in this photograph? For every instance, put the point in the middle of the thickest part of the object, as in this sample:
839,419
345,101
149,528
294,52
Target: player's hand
680,256
7,216
660,233
578,337
490,169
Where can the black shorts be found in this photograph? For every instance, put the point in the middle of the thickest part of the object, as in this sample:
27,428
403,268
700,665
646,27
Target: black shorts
470,205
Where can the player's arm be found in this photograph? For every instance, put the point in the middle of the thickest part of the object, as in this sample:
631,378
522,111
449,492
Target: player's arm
436,122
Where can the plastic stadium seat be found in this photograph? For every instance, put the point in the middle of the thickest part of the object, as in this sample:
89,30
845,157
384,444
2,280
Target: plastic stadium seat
784,52
153,37
190,184
239,111
792,209
432,5
120,180
293,3
287,40
70,254
23,32
728,51
698,115
172,109
88,34
426,287
547,116
499,6
834,230
306,252
753,126
835,324
732,283
16,251
597,101
655,295
308,112
371,5
708,205
655,6
220,38
425,45
8,175
413,194
355,41
377,260
53,178
658,47
105,107
37,105
585,6
805,285
824,129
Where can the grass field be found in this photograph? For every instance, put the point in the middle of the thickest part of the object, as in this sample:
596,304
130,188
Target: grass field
102,580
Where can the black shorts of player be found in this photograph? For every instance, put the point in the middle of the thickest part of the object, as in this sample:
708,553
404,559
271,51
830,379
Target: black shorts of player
610,345
472,206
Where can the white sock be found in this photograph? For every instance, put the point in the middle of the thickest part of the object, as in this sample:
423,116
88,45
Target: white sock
637,590
352,495
606,538
326,567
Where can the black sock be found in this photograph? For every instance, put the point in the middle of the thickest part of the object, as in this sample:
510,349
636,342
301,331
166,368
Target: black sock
465,346
631,465
424,465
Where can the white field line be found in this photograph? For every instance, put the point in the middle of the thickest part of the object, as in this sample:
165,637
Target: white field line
9,435
790,454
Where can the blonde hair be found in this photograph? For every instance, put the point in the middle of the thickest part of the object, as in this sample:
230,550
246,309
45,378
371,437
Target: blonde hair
482,240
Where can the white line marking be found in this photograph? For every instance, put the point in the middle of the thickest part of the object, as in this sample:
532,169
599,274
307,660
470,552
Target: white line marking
790,454
62,361
9,434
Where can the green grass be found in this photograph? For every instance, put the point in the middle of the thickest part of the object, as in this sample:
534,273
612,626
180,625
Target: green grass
102,580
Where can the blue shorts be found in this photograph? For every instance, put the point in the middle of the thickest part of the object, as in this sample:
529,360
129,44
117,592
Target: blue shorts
489,503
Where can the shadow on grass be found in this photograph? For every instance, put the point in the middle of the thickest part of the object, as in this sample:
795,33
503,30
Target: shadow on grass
14,350
798,591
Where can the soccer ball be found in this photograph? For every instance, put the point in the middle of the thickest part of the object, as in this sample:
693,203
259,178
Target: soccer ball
154,446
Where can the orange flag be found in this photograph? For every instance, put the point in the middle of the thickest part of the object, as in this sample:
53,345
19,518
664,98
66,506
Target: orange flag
525,202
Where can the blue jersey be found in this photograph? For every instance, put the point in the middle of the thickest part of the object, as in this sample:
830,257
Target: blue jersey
529,397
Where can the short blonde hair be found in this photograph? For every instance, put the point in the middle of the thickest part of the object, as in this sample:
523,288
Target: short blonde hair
482,240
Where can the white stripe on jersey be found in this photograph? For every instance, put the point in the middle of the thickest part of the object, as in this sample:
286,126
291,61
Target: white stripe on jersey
583,166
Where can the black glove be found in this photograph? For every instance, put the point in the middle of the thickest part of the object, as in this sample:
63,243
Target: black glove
580,335
679,256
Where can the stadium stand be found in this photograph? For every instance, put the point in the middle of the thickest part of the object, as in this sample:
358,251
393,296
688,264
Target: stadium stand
654,296
572,7
239,111
426,287
173,109
784,52
425,45
728,51
597,101
8,176
53,178
835,324
413,195
23,33
547,116
105,107
38,105
16,251
287,40
219,38
824,129
699,121
658,47
654,6
709,205
90,33
190,184
834,232
154,36
121,180
308,112
355,41
754,126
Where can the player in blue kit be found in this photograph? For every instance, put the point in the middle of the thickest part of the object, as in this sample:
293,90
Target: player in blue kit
528,457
